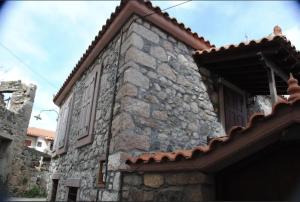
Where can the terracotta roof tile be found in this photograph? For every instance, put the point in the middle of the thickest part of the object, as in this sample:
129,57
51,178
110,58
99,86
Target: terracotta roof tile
247,43
38,132
109,22
276,35
219,141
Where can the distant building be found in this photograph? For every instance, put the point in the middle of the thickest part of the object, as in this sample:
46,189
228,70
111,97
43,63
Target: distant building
40,139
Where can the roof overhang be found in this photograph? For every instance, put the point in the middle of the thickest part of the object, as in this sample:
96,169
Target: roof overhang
113,26
246,65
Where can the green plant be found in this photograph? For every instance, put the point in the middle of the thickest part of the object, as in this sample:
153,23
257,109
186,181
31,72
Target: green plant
35,191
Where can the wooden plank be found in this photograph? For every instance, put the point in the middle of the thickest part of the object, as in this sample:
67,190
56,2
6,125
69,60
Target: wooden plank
272,86
221,103
275,68
226,57
231,86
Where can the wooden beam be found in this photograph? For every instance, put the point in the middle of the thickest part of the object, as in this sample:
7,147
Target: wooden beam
269,64
217,57
272,86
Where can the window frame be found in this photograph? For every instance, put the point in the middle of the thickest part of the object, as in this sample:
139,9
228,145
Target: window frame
54,189
73,183
83,140
39,144
59,150
222,82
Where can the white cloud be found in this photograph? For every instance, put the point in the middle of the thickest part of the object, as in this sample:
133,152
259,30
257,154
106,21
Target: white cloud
15,73
29,30
293,34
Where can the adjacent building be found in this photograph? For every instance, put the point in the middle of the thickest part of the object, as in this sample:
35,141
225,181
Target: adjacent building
149,113
40,139
14,120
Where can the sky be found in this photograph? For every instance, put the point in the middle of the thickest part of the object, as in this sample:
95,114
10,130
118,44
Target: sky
41,42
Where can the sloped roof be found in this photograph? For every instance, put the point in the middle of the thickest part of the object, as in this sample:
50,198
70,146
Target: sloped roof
39,132
276,35
129,7
283,113
244,64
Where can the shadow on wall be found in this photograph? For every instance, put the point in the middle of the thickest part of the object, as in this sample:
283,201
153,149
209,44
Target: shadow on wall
3,191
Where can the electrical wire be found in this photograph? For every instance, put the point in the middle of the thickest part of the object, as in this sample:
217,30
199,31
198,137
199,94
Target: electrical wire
167,8
27,66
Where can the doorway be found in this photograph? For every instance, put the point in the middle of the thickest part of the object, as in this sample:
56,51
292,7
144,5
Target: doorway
54,189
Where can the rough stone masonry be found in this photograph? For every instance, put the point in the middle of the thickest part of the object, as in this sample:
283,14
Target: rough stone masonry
163,102
14,120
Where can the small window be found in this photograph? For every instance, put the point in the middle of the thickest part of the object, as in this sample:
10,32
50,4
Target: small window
27,143
101,174
39,144
72,196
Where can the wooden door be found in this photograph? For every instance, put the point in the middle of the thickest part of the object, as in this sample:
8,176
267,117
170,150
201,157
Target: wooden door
54,190
234,108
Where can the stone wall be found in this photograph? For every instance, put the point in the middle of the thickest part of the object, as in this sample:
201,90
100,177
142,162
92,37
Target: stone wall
34,172
83,163
180,186
259,103
164,102
14,120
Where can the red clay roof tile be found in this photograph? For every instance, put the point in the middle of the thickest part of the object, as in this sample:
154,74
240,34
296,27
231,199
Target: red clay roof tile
272,37
39,132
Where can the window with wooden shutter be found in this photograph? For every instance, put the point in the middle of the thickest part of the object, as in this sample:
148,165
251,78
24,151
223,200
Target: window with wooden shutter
63,126
87,110
86,107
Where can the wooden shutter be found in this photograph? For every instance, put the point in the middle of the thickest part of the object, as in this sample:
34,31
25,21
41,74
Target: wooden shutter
234,107
86,107
63,124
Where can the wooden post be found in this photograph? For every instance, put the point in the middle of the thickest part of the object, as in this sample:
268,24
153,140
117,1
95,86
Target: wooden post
272,85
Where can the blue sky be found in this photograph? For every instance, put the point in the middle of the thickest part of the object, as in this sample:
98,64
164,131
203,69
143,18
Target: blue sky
50,37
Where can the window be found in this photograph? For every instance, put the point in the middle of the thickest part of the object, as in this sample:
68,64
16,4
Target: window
101,174
63,126
27,143
72,195
39,144
232,105
88,109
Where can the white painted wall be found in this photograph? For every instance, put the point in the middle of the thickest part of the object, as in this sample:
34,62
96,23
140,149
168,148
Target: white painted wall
44,144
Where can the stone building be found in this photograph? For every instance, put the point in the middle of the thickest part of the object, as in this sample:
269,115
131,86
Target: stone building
149,84
14,120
